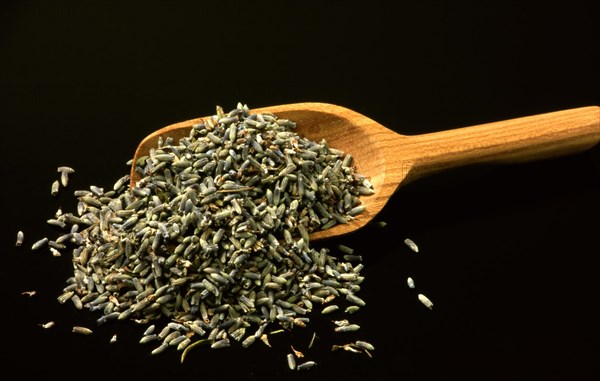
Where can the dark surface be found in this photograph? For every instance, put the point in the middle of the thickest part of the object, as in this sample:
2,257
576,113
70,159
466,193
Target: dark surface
508,253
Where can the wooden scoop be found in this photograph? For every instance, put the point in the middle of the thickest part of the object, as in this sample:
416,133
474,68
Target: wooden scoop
389,159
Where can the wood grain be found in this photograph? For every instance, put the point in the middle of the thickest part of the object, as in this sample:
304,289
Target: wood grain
390,159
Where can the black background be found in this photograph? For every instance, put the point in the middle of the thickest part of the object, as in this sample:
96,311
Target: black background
508,252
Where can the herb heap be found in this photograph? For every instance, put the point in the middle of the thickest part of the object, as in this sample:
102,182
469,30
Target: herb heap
215,235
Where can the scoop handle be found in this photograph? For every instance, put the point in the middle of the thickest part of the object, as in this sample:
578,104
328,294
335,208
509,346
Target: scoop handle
515,140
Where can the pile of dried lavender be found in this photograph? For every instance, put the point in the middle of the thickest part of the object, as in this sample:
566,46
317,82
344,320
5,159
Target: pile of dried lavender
215,235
